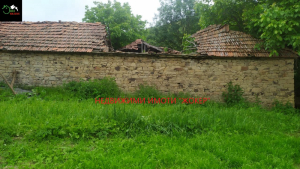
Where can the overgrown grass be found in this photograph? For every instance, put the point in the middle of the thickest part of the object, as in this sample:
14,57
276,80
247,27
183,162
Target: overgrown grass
56,128
39,119
106,87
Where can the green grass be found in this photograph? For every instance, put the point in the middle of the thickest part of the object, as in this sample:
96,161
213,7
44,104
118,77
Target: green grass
55,129
210,150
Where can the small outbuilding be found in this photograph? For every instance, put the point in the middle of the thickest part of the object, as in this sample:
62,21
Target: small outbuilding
218,40
140,46
53,37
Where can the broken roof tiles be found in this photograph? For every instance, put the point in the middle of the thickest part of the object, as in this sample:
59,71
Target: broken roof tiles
53,36
139,43
218,40
137,46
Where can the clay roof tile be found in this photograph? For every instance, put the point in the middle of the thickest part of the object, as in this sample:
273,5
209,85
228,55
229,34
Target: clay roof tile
218,40
52,36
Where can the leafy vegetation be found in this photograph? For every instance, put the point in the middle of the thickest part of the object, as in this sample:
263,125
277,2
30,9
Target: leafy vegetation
286,108
234,94
175,19
223,12
121,25
188,44
146,91
96,88
58,128
275,22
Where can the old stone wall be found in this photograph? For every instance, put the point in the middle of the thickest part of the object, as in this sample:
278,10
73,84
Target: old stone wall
269,78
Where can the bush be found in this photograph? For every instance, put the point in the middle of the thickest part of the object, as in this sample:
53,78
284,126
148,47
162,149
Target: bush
234,94
286,108
146,91
96,88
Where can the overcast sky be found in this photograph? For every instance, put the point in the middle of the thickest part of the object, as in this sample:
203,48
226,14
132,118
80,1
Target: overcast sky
74,10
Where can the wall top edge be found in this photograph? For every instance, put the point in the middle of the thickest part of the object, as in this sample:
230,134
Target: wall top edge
131,54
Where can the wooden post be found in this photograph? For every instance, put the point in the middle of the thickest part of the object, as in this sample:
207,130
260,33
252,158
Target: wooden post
142,47
8,84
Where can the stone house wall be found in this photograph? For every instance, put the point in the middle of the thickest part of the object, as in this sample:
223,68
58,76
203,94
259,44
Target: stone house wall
269,78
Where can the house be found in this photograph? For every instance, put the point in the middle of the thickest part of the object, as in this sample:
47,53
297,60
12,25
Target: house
53,37
218,40
273,80
51,53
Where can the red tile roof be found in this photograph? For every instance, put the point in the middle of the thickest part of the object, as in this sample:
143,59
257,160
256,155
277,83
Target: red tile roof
218,40
132,46
53,36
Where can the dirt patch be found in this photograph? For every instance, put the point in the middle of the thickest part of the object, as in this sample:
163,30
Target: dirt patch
18,90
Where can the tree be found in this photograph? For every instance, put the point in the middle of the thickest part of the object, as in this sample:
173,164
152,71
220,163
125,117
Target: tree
276,22
224,12
175,18
121,25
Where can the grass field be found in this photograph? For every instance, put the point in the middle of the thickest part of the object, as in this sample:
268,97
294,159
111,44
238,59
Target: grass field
55,129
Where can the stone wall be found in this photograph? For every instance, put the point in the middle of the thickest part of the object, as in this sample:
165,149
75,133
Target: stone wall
269,78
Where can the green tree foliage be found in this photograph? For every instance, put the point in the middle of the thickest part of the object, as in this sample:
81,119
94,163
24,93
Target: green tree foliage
175,18
188,44
278,23
274,21
223,12
122,26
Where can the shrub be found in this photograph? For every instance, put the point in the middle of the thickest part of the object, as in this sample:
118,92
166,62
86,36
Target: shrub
96,88
286,108
146,91
234,94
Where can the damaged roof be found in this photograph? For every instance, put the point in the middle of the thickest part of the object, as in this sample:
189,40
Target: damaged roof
137,45
53,36
218,40
170,51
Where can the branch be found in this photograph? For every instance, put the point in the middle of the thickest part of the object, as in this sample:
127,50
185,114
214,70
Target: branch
192,43
8,84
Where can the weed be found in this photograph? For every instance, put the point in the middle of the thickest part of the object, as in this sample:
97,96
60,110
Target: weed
286,108
257,101
234,94
146,91
96,88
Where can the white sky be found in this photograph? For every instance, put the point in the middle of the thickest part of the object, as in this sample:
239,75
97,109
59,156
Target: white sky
74,10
